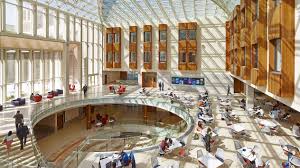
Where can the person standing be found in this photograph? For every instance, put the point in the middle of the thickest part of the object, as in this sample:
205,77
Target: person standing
18,119
8,140
22,133
228,90
162,86
85,88
207,139
159,85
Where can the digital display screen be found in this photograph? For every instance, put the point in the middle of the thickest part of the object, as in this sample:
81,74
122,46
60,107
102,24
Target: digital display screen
187,81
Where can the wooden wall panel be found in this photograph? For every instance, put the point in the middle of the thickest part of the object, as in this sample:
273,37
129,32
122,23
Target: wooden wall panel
227,45
133,47
163,65
187,45
282,27
259,37
114,48
148,47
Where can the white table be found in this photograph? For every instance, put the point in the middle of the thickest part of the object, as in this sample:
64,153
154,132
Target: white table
295,161
210,161
237,127
175,144
109,159
225,103
267,123
206,118
247,153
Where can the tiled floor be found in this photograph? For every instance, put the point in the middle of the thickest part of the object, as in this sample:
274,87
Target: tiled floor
269,145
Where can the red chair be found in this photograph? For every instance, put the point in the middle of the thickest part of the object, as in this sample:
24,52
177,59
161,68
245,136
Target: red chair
37,98
71,87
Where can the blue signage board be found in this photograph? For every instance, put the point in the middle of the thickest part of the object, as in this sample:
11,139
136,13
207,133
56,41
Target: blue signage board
188,81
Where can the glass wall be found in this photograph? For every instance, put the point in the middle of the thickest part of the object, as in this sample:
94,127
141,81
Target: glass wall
28,20
52,24
25,71
41,21
11,16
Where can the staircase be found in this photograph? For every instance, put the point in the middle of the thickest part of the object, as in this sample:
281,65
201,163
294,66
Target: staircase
17,158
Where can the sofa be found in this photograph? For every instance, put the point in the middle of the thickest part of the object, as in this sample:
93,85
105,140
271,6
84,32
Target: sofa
37,98
52,94
18,102
121,89
59,91
1,107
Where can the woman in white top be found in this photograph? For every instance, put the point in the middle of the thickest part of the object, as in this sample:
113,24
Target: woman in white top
8,140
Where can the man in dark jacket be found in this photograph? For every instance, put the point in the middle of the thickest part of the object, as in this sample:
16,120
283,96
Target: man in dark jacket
18,119
22,133
85,88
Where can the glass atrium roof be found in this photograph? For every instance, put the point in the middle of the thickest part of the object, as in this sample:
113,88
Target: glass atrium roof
144,11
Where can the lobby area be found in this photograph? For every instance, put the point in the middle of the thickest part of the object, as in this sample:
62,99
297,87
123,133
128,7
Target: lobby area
149,83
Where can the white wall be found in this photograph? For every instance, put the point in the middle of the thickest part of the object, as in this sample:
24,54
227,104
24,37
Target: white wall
210,55
71,114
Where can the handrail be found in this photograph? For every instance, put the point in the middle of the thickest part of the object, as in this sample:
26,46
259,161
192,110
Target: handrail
45,109
107,140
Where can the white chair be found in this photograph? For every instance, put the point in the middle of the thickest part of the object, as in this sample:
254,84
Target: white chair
237,145
267,164
296,131
220,154
282,143
199,153
256,149
154,162
241,159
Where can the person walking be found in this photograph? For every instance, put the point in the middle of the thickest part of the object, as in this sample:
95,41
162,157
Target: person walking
207,139
22,133
85,88
8,140
159,85
18,119
162,86
228,90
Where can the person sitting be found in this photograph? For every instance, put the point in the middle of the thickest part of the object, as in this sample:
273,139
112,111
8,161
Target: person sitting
170,142
98,117
243,104
124,159
164,146
31,96
199,127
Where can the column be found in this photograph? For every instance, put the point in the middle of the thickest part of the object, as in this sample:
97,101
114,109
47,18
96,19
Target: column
88,117
66,58
249,96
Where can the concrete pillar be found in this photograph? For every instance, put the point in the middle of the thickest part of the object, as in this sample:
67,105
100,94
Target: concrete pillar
88,117
55,122
249,96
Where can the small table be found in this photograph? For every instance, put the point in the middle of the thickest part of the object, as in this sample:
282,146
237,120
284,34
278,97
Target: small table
295,161
210,161
225,103
267,123
109,159
206,118
237,127
247,153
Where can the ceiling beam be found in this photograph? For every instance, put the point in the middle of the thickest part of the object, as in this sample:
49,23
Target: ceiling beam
137,16
142,11
164,13
223,5
184,13
173,10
